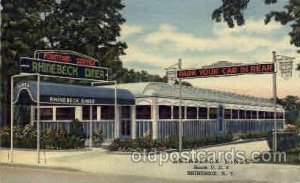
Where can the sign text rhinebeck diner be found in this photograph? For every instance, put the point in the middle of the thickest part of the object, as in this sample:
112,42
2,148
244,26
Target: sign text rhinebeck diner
45,67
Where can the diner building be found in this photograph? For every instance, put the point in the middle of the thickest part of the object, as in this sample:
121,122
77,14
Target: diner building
147,108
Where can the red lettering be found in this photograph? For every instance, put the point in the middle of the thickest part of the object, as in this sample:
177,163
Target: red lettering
66,58
244,69
84,61
187,73
229,70
253,68
267,68
262,68
57,57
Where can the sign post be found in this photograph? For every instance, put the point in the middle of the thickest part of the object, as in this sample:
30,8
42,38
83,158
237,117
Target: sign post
11,120
38,118
180,126
275,103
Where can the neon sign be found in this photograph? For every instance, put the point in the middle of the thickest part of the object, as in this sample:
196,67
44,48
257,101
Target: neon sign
69,70
227,71
66,57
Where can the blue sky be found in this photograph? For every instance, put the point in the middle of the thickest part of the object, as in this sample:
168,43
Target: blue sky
159,32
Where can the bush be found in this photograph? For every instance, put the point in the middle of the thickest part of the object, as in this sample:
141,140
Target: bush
98,138
76,129
250,135
146,143
285,141
115,145
5,136
25,137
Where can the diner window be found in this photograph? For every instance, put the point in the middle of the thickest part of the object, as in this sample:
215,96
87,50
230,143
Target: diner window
202,112
107,112
125,127
242,114
227,113
213,112
176,112
261,115
191,112
253,114
45,113
86,112
279,115
125,112
235,114
143,112
248,114
267,115
271,115
65,113
164,112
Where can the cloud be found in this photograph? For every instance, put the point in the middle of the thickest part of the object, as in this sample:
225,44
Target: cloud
128,30
252,43
180,41
241,39
137,54
251,27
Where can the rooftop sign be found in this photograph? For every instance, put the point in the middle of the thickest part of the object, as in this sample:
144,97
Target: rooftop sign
69,70
66,57
227,71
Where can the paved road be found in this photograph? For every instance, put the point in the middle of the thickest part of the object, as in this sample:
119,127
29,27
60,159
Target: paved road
101,166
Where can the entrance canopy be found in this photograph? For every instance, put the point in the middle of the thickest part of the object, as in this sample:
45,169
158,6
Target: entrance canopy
25,93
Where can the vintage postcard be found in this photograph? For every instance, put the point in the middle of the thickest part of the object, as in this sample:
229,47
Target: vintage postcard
150,91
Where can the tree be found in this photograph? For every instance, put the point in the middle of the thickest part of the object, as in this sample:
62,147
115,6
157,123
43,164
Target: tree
291,105
231,12
90,27
20,37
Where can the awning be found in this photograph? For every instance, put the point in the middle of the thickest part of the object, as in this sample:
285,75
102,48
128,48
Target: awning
25,93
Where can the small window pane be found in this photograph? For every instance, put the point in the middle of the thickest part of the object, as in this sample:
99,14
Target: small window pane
107,112
143,112
242,114
125,112
202,113
227,113
164,112
235,114
65,113
86,112
261,115
176,112
253,115
248,114
45,113
213,112
191,112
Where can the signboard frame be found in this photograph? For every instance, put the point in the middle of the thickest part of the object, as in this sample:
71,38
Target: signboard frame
64,52
106,70
217,71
